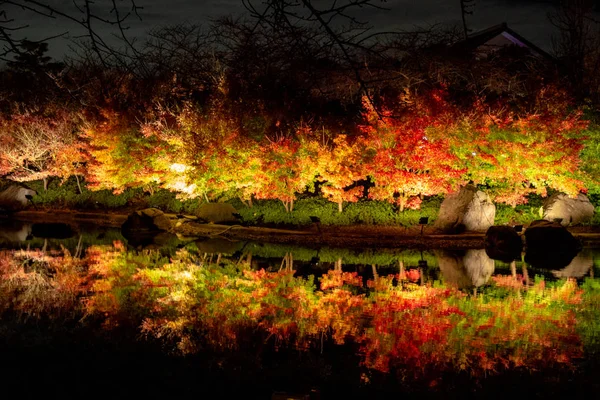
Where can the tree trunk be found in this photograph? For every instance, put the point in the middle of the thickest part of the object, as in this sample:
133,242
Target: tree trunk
283,262
45,180
78,184
338,265
402,203
79,248
525,275
340,206
287,263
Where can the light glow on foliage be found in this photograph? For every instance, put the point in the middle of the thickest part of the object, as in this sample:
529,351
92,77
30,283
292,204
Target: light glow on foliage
177,167
419,145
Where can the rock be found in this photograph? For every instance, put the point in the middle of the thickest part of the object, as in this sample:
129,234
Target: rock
503,243
143,225
468,209
549,245
570,211
15,197
465,269
217,213
149,229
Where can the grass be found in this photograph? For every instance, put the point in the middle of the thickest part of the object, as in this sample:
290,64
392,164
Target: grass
272,212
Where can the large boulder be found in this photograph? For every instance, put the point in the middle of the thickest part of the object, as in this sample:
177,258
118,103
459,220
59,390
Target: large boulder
503,243
145,222
468,209
570,211
549,245
14,197
465,269
217,213
148,229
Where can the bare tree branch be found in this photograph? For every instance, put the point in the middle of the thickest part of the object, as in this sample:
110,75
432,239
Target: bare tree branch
84,15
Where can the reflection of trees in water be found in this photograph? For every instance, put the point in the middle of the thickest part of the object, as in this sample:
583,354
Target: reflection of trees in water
37,283
397,323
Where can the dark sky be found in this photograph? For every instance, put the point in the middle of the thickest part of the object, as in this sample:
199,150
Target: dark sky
528,17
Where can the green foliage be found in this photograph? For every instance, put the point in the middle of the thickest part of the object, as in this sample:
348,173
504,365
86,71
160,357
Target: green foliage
362,212
589,317
273,250
521,214
66,194
165,200
272,212
589,162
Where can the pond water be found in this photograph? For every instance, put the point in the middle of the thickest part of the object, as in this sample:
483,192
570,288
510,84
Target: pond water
85,310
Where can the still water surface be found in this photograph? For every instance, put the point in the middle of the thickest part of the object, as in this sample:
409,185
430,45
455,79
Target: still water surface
84,310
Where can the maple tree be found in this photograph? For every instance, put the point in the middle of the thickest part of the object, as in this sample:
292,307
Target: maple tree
410,156
414,145
514,155
33,144
339,168
288,167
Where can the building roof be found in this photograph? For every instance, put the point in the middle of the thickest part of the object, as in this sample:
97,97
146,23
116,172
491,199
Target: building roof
498,36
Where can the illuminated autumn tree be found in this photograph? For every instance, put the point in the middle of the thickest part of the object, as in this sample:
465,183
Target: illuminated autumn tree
340,166
288,168
122,156
514,155
32,143
215,159
410,156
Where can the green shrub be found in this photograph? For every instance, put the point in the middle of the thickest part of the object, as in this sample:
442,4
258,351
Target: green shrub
272,212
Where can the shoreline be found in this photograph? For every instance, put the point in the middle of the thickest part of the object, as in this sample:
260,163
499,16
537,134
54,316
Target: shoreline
372,236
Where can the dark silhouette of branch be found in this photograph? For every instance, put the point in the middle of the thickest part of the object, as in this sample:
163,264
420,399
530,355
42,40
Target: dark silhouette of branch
85,15
336,28
577,44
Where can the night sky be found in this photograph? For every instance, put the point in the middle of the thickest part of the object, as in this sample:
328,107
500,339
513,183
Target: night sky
527,17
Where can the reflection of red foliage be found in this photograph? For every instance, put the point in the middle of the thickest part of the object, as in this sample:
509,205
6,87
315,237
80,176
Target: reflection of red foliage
396,325
509,281
413,275
333,279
